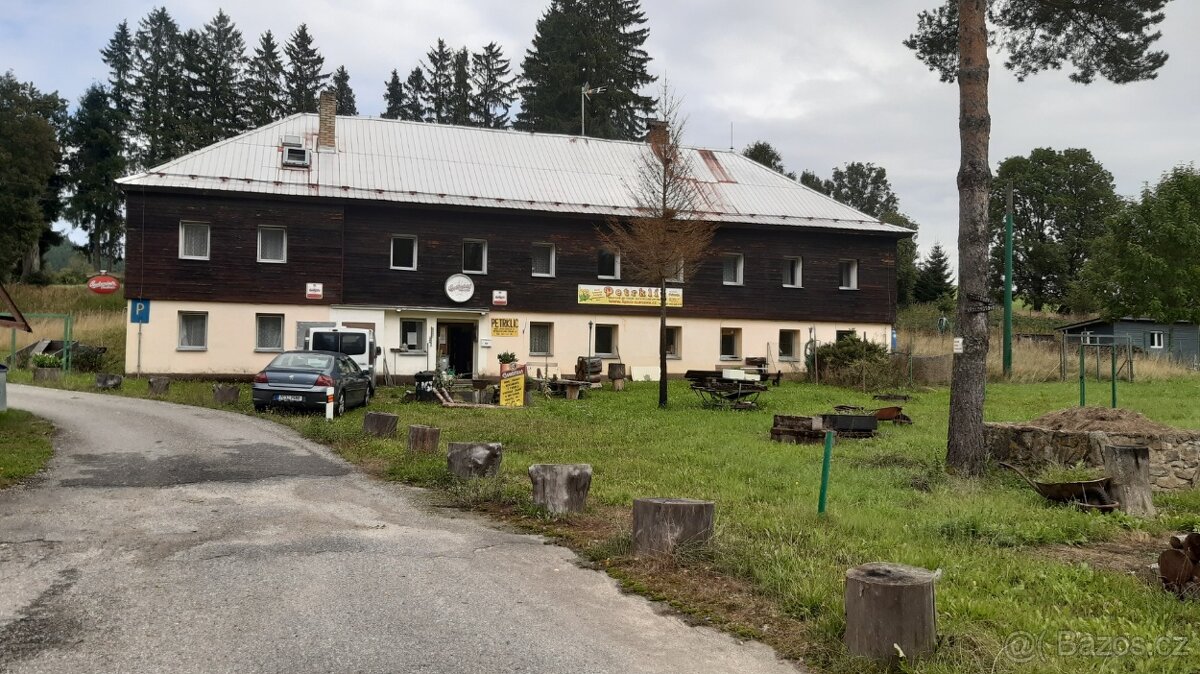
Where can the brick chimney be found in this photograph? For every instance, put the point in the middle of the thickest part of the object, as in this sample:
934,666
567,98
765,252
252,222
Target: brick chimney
327,112
657,133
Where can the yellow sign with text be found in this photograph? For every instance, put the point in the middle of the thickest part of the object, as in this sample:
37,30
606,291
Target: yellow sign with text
512,388
506,327
628,296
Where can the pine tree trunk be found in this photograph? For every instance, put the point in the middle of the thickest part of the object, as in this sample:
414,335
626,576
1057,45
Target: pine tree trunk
966,453
662,344
33,261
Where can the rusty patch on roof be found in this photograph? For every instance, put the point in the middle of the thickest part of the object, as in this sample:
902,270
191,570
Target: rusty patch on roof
714,166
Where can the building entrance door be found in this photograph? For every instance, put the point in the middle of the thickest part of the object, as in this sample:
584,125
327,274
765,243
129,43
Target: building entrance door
460,348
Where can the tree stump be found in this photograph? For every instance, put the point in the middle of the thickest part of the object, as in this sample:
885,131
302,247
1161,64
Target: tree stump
889,606
661,525
226,394
380,424
423,438
159,386
106,382
1129,468
474,459
561,488
618,384
572,391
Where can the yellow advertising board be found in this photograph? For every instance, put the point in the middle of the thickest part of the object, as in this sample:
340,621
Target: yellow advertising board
506,327
512,388
628,296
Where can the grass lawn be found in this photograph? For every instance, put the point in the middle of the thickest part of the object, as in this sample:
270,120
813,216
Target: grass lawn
24,445
775,570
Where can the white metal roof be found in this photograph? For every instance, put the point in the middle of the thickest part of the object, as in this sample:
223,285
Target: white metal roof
414,162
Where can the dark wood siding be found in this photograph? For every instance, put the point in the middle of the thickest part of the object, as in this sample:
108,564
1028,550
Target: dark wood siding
315,239
232,273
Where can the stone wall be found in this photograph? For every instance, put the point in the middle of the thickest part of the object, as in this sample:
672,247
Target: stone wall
1174,457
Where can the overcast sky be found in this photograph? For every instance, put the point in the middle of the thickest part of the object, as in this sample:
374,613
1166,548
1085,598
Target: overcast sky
825,82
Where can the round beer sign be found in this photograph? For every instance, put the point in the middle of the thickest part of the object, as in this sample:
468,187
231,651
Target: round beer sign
104,284
460,288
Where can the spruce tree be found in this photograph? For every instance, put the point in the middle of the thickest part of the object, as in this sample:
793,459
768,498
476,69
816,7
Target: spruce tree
222,68
414,109
461,101
118,56
158,89
494,92
194,128
303,78
263,86
439,81
933,276
342,92
551,73
94,204
29,179
393,97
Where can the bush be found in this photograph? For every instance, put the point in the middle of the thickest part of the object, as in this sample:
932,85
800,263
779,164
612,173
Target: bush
846,352
88,359
46,360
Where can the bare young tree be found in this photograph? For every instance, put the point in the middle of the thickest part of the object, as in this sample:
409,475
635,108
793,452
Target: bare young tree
670,236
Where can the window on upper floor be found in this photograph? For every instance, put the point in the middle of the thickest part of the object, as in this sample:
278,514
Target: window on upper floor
474,256
608,265
193,240
404,252
268,332
849,274
272,244
543,259
678,277
732,264
793,268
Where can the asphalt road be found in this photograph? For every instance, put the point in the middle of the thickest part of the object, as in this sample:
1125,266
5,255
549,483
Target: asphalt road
165,538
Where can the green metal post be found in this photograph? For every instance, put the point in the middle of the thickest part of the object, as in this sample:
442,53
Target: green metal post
825,472
67,346
12,356
1114,374
1008,283
1082,376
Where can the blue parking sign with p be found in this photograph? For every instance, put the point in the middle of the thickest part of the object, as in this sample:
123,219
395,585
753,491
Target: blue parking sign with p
139,311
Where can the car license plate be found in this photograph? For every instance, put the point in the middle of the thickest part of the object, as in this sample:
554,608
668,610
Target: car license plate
289,399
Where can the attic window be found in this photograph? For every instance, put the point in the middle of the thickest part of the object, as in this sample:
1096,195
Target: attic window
296,156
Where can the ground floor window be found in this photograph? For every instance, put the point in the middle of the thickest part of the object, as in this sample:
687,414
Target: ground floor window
845,334
731,343
412,335
674,341
541,339
1156,340
193,330
787,344
606,340
268,332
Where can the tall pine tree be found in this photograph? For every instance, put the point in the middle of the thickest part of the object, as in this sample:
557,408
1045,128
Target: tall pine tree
933,276
118,56
94,204
263,88
461,101
194,129
303,78
393,97
158,92
439,82
494,89
418,92
222,61
342,93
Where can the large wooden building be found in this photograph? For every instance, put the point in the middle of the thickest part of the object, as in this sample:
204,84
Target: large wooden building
455,244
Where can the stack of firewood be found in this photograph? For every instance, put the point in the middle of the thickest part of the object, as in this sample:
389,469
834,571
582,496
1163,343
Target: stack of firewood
1179,566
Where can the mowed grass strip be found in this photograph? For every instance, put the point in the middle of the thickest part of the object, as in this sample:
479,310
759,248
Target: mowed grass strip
25,445
890,499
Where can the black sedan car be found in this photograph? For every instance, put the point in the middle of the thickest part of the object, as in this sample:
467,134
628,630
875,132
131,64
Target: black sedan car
300,379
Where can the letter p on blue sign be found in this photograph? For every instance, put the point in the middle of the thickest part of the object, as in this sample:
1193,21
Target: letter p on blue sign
139,311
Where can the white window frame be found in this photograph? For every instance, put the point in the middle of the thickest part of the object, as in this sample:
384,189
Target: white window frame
207,239
422,341
553,256
179,346
853,274
1161,339
549,339
392,252
262,228
741,265
678,277
268,349
485,256
788,357
737,344
678,342
616,276
615,345
796,266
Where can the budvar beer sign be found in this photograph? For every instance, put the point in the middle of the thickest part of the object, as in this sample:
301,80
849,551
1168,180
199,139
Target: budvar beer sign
628,296
104,284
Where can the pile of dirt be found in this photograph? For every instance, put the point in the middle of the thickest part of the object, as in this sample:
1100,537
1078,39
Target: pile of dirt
1100,419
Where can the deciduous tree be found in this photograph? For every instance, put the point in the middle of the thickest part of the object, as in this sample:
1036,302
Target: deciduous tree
1110,38
764,153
